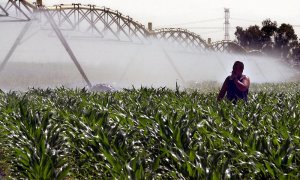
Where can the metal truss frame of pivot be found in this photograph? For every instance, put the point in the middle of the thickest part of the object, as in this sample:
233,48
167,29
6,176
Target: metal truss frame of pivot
17,4
182,37
99,20
228,46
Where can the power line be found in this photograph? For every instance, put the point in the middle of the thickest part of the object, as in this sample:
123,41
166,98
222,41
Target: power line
213,27
208,27
204,27
247,20
194,22
210,32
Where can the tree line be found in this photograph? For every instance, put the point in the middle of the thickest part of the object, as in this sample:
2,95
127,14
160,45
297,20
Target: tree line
271,39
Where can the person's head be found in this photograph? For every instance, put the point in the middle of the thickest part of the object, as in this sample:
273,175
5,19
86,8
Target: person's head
238,68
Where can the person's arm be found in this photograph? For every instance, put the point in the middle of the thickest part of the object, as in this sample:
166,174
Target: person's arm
242,85
223,90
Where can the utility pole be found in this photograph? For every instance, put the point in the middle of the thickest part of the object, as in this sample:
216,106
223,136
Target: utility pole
227,16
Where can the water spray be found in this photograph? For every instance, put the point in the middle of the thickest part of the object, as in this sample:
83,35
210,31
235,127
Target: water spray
174,66
188,67
56,30
15,45
66,46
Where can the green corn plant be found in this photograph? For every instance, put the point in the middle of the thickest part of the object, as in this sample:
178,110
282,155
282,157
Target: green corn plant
150,133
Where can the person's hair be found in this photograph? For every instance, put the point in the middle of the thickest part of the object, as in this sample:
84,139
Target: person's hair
238,63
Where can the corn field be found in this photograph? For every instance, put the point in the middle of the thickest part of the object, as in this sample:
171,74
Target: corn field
149,133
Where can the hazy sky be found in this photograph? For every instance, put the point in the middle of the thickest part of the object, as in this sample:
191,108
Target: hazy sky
204,17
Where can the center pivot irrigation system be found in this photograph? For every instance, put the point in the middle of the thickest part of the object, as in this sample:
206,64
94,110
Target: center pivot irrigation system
99,22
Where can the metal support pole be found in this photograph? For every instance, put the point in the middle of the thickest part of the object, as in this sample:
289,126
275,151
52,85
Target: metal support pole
13,48
66,45
25,4
18,8
6,13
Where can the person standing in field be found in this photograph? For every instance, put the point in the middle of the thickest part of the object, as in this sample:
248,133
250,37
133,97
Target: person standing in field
235,86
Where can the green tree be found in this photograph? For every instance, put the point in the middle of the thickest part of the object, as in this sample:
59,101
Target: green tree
268,30
295,52
279,41
241,36
255,35
251,38
284,38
